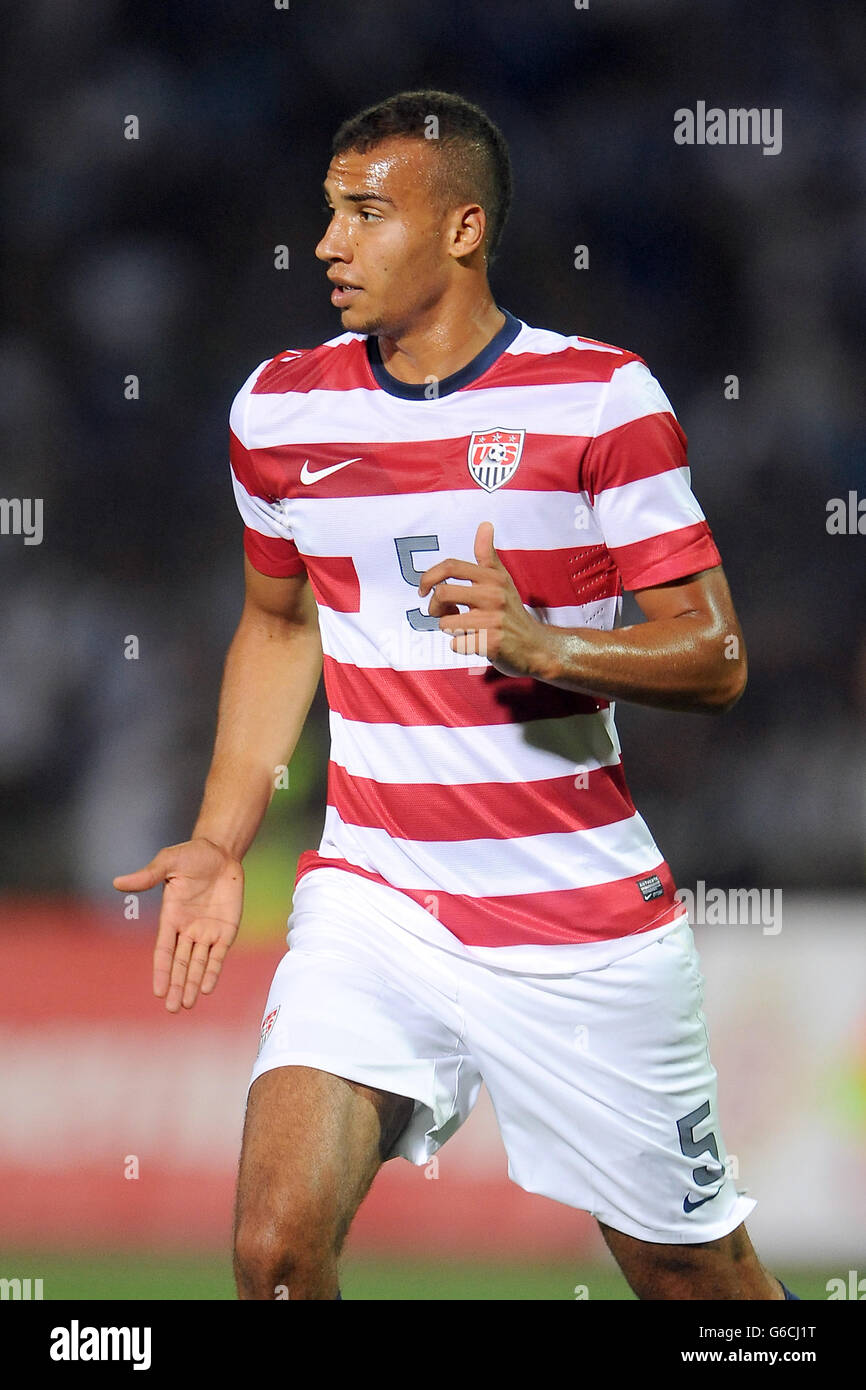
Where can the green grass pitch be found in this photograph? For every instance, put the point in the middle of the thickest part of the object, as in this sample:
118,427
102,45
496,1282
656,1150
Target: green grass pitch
135,1275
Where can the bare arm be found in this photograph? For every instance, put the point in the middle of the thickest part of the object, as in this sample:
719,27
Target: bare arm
689,655
271,672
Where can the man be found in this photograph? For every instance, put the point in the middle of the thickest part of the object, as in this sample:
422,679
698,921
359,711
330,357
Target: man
486,903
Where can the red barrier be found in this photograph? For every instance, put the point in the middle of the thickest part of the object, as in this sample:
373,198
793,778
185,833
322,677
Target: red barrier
122,1123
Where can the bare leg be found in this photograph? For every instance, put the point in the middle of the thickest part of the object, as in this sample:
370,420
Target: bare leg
718,1269
312,1145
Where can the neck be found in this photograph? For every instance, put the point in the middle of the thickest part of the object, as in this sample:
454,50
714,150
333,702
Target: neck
442,340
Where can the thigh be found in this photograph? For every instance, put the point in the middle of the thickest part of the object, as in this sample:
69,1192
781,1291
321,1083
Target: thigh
312,1145
358,997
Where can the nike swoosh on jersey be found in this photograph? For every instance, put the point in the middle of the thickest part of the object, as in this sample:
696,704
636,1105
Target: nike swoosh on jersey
689,1205
308,476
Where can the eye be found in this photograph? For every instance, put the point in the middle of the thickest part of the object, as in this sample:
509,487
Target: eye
368,212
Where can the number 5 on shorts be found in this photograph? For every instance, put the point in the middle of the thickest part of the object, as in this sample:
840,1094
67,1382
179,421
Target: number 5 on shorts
694,1148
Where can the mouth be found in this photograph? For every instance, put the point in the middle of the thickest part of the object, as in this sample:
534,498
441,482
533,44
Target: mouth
343,295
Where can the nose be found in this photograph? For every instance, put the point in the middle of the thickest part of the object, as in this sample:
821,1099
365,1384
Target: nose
334,245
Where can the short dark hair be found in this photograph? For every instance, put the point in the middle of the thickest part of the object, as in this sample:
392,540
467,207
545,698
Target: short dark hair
474,162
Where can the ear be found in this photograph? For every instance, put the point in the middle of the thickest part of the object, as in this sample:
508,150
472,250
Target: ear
469,229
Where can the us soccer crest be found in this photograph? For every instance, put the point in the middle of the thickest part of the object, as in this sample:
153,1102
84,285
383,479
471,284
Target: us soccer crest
267,1024
494,456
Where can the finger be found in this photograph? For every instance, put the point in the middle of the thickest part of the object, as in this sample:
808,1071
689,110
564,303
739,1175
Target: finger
477,620
218,953
446,597
447,569
182,954
485,551
163,959
438,610
141,879
472,642
195,973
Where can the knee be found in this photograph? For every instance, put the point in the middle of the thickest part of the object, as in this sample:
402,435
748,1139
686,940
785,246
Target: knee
295,1257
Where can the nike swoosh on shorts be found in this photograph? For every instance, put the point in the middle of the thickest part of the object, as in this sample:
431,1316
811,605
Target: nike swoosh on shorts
689,1205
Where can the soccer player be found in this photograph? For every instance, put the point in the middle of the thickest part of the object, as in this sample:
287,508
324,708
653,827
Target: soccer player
441,506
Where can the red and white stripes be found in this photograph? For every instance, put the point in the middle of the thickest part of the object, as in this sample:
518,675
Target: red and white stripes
502,800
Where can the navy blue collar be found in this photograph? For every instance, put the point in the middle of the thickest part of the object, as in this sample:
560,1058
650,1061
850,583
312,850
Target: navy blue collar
418,391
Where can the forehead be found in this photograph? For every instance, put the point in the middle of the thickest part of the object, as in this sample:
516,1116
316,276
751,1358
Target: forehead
399,168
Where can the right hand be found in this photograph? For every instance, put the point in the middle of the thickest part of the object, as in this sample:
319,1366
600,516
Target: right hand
201,912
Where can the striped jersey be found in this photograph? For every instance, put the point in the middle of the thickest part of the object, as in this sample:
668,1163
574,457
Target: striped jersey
498,804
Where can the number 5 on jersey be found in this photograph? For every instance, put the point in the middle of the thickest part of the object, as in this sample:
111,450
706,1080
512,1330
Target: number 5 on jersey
406,547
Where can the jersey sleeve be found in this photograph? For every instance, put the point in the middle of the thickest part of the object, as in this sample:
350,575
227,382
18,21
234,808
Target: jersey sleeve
637,475
268,541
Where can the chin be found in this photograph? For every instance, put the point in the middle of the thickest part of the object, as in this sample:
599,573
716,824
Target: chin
354,322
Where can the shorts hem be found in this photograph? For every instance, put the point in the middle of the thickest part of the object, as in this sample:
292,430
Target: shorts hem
418,1142
743,1207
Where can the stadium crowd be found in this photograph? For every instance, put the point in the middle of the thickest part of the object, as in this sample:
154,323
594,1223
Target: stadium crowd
141,289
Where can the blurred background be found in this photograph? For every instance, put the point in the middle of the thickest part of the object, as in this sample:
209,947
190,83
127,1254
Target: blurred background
153,258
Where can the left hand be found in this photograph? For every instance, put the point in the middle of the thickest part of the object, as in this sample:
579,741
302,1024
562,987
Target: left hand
497,626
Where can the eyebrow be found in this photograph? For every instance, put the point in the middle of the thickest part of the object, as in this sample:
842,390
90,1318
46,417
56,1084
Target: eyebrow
366,197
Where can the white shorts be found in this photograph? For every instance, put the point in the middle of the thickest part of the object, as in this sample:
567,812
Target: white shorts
600,1078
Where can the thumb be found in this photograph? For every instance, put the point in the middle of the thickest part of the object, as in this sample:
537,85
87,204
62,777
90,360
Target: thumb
141,879
485,551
